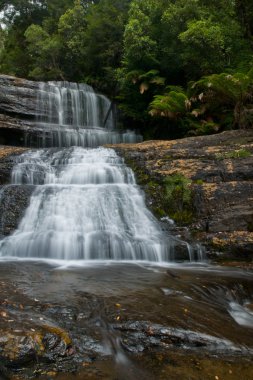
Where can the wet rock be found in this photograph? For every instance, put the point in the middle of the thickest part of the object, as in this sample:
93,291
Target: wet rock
141,335
220,168
24,347
18,96
28,340
14,201
18,111
8,158
4,373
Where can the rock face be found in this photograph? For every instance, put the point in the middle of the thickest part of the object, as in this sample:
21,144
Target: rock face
13,199
18,107
219,171
18,97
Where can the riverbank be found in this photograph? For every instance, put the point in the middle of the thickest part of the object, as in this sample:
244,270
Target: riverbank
205,184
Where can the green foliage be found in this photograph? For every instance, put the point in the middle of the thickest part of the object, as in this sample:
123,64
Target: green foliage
144,54
226,94
203,47
201,127
2,38
198,182
139,46
178,198
178,186
47,49
240,153
103,43
171,105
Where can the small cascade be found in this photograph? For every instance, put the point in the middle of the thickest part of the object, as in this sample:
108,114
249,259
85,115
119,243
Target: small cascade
86,206
71,114
73,105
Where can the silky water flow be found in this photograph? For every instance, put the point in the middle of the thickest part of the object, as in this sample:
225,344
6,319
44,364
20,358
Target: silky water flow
71,114
86,204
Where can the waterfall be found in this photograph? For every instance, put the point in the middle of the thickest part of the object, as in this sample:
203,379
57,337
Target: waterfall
73,105
71,114
86,206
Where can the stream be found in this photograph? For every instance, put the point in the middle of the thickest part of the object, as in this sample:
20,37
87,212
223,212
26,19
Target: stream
92,286
129,321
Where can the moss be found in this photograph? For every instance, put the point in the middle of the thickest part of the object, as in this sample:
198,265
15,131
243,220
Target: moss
167,157
198,182
240,153
178,198
159,212
59,332
171,195
183,217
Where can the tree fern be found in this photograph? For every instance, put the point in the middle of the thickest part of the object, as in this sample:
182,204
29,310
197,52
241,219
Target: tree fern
172,105
234,92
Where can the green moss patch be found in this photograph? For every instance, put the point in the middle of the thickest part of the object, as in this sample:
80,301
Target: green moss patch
170,195
240,153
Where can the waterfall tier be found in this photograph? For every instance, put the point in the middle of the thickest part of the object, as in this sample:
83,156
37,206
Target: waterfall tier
86,206
71,114
73,105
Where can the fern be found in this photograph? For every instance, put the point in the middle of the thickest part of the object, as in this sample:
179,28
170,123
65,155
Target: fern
232,91
170,105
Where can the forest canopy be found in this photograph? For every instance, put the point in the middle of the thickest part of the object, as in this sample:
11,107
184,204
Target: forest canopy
174,67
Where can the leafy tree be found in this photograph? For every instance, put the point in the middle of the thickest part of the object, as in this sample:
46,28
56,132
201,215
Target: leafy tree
71,33
228,94
45,51
19,15
139,76
244,11
139,44
203,48
55,52
174,21
103,43
141,53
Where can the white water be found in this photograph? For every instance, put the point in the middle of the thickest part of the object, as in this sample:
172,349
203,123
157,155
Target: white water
71,104
71,114
241,314
86,206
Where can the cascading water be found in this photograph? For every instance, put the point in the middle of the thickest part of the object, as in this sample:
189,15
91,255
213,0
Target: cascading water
86,205
71,114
